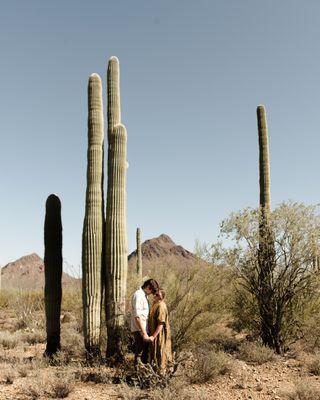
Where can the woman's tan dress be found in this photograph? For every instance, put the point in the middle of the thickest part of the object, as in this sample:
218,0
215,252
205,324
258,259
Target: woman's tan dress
160,349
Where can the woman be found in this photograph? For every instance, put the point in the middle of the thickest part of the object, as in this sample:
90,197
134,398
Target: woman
160,336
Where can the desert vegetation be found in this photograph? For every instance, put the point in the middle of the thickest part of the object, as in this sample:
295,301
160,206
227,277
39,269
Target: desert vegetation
245,317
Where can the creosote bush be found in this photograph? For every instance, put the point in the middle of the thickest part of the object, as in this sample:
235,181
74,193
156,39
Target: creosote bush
303,391
255,353
197,297
313,365
209,364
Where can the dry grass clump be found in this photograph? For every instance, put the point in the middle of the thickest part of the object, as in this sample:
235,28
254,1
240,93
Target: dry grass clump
23,370
61,386
177,390
313,365
223,339
304,391
208,364
8,340
33,337
94,376
71,342
57,386
255,353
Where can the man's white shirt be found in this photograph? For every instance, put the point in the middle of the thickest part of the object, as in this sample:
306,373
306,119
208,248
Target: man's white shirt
140,308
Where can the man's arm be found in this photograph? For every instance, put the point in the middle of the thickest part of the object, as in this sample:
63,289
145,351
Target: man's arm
136,308
142,328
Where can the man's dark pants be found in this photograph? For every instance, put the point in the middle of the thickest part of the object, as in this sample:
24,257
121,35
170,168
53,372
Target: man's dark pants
140,348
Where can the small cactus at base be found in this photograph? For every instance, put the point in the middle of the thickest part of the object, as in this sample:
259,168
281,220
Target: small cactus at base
53,273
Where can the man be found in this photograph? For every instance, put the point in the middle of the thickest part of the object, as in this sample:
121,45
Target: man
139,319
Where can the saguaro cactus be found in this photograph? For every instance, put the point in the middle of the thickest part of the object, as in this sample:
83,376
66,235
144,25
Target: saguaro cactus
139,254
264,164
116,230
93,226
53,272
266,258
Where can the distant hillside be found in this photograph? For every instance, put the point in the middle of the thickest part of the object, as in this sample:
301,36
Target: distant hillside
28,273
163,251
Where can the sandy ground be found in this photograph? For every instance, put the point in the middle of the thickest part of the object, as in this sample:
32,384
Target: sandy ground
268,381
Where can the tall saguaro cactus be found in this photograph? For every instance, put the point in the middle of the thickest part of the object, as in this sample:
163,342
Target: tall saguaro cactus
53,272
116,230
93,226
266,257
139,254
264,164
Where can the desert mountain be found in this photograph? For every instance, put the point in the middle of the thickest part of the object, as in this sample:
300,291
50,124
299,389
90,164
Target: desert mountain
28,273
163,251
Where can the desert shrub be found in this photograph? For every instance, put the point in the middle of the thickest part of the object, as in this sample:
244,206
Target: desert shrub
8,379
60,386
255,353
5,296
71,343
94,376
313,365
29,308
23,370
8,340
177,390
304,391
208,364
72,303
279,286
34,390
54,386
197,297
33,337
223,339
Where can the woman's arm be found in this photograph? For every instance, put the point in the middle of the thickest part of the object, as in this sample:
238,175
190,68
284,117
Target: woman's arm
158,330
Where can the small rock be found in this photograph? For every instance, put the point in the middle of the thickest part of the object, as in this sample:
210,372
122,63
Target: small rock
259,388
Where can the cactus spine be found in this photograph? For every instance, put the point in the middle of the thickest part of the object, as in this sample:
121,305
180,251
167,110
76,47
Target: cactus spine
139,254
116,231
53,272
93,226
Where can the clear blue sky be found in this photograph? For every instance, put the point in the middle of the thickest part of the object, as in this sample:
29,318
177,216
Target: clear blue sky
192,74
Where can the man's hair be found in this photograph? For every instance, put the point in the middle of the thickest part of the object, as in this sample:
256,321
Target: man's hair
151,284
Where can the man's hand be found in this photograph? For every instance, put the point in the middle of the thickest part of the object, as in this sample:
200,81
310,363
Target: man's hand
151,338
145,337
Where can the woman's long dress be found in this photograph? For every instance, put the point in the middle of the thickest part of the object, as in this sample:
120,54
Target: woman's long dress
160,348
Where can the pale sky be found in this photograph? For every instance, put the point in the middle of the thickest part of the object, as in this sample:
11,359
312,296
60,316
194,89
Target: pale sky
192,75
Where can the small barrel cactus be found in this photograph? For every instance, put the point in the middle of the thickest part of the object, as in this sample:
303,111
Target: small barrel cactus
53,272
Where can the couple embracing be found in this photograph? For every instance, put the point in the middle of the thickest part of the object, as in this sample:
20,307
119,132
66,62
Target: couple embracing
150,328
